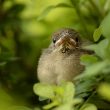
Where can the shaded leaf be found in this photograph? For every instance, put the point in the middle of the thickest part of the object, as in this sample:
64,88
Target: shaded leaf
93,70
36,108
0,50
3,63
100,48
88,59
99,102
16,9
106,26
50,8
7,102
19,108
85,86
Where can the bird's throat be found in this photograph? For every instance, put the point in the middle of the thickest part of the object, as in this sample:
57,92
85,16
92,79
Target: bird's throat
65,49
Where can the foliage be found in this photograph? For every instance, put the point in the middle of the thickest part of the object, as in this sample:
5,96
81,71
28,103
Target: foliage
61,96
97,66
25,27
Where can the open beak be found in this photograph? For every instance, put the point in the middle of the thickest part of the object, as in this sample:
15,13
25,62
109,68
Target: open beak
66,43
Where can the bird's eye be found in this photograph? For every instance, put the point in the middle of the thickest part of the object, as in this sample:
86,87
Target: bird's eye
77,40
54,40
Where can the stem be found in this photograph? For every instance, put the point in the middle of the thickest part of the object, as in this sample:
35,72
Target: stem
99,12
81,19
53,104
88,99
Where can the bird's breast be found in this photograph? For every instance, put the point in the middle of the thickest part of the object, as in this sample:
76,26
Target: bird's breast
66,66
57,67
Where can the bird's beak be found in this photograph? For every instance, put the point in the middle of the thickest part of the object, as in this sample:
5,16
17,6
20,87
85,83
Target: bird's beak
66,42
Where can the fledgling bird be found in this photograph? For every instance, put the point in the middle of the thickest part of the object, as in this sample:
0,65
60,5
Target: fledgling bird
61,60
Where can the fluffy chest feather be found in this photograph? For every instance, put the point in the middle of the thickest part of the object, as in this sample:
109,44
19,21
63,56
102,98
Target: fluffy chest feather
59,67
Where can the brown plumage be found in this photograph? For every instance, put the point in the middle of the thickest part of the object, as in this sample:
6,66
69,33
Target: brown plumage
61,60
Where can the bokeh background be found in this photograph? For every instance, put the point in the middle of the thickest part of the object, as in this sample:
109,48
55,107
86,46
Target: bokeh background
26,27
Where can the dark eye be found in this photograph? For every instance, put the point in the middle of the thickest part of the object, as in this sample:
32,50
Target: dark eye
54,40
77,40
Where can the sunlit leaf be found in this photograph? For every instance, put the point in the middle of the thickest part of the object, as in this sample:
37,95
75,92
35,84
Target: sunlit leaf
77,101
53,104
104,91
59,90
69,92
67,106
44,90
97,34
89,107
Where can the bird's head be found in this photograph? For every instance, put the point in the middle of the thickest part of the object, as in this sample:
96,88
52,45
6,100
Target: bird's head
65,40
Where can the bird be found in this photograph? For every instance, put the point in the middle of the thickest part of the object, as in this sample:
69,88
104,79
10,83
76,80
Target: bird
60,62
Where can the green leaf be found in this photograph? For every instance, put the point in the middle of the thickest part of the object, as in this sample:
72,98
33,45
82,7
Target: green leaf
16,9
97,34
50,8
59,90
93,70
67,106
44,90
5,99
3,63
69,92
36,108
0,50
53,104
7,102
89,107
84,86
88,59
18,108
104,91
77,101
106,26
99,102
100,48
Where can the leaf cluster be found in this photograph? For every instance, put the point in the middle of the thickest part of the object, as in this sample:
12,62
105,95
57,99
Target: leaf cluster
25,27
93,83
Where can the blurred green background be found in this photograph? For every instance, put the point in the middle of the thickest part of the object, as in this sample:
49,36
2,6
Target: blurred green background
26,27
